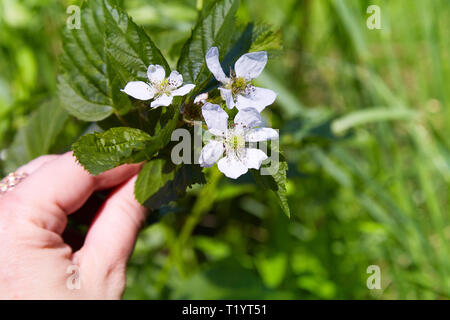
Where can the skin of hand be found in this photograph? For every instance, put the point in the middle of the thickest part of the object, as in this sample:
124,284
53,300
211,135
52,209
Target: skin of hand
36,263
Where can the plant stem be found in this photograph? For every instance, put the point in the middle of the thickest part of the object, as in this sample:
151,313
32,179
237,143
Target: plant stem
203,204
124,122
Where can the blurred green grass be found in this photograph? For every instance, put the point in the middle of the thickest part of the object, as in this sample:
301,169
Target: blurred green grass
363,116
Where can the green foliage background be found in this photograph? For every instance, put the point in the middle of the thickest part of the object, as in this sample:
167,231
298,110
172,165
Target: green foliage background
363,114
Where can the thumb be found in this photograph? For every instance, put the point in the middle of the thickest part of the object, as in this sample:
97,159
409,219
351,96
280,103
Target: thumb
112,236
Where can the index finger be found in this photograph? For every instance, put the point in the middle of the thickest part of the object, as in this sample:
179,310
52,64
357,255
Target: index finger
61,186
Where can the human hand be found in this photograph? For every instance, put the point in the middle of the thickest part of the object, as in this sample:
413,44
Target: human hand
36,263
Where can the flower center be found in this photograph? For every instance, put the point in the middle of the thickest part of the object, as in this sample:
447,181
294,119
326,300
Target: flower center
235,143
163,87
237,85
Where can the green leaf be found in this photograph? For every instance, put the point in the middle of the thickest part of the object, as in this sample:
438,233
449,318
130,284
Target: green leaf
99,152
264,38
214,27
129,49
80,106
84,87
160,182
276,182
37,136
153,176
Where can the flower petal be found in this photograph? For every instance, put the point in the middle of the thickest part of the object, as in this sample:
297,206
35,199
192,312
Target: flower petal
248,117
250,65
164,100
228,97
201,98
261,134
255,97
139,90
216,118
156,73
175,79
184,90
212,152
213,63
254,158
231,167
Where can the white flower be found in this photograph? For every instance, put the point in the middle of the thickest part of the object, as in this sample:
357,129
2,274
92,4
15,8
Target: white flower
238,90
231,140
159,88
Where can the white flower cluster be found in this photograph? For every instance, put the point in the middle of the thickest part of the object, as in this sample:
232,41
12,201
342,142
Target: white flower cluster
229,147
238,91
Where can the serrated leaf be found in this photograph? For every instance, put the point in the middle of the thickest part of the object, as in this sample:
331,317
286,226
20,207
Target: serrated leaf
84,87
129,49
214,27
98,152
276,182
79,106
37,136
160,182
